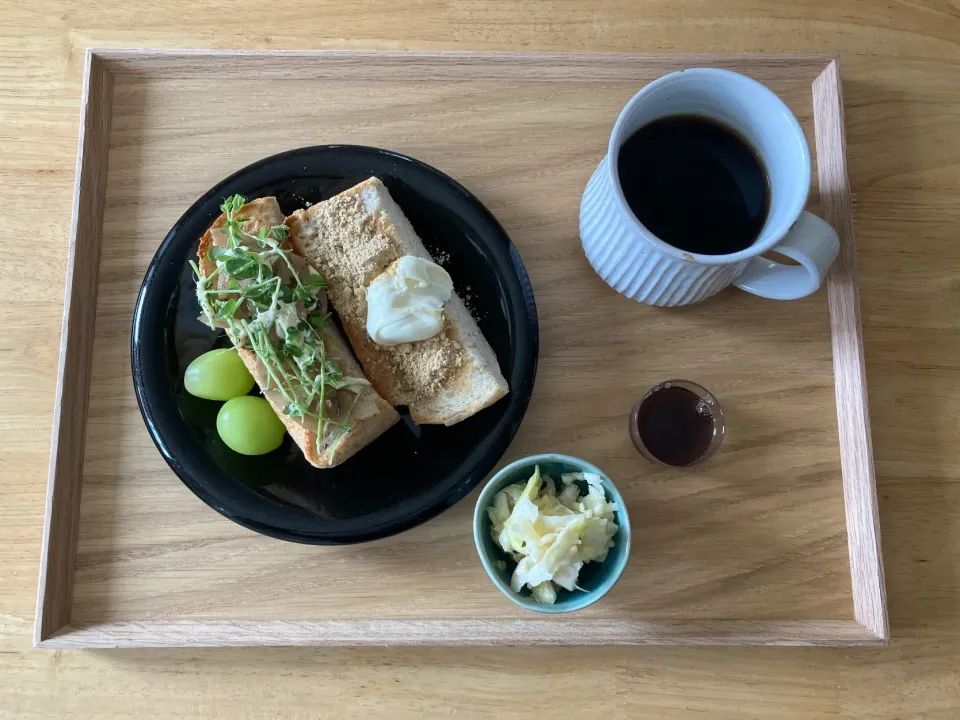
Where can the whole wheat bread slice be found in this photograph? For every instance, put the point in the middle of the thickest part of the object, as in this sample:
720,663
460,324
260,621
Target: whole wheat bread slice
372,416
353,238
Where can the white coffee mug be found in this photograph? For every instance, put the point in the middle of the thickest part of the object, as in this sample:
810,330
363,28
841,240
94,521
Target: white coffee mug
636,263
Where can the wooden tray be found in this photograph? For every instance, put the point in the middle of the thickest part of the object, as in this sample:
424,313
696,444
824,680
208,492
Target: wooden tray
757,546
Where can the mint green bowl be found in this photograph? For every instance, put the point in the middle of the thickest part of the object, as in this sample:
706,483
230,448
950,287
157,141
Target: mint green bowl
596,579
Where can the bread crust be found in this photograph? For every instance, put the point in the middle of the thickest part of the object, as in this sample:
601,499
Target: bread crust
378,414
472,386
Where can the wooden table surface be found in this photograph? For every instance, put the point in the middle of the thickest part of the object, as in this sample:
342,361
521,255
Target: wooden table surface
901,65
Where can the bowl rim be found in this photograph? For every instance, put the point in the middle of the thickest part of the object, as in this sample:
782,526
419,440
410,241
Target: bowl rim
481,522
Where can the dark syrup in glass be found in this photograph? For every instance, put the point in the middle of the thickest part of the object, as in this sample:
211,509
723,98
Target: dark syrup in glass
675,425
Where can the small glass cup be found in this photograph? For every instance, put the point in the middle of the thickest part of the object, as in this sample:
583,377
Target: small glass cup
671,420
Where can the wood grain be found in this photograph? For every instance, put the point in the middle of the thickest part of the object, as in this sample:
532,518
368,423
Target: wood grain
755,535
853,415
453,633
902,105
458,66
58,556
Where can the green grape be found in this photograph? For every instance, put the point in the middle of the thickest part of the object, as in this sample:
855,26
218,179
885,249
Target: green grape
218,375
249,426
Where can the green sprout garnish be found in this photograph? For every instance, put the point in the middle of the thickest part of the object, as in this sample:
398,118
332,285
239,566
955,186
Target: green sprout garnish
288,342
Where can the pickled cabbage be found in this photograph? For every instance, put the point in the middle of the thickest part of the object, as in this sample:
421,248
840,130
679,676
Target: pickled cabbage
551,534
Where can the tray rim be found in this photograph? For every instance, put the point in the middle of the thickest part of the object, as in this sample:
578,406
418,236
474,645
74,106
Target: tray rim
870,625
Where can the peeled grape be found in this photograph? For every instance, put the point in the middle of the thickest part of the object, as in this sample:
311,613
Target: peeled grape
218,375
249,426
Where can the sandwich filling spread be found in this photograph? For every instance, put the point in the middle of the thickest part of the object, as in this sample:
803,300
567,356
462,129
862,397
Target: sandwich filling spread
405,304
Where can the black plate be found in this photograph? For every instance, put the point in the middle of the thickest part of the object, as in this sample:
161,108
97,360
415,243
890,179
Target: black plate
411,473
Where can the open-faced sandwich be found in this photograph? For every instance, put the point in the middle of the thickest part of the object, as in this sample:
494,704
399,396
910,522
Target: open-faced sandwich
417,342
273,306
265,279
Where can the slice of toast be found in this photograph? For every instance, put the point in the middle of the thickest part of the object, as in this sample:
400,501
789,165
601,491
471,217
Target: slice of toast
372,415
353,238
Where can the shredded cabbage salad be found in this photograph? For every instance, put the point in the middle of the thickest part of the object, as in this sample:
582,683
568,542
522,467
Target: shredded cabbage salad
552,534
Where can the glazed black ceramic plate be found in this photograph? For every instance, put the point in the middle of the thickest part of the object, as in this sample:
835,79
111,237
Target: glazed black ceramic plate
410,473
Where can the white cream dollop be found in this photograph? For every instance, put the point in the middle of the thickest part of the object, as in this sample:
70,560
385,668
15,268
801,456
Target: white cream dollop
407,306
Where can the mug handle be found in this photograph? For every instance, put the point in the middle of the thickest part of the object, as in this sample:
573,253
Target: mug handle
812,243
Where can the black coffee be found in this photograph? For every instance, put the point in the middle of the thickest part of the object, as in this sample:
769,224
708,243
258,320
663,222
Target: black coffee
675,425
695,184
